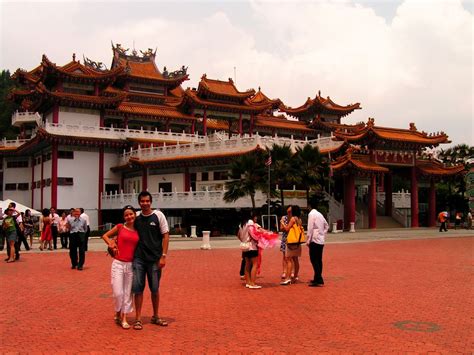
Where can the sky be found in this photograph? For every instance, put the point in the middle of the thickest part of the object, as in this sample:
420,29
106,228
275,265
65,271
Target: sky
402,60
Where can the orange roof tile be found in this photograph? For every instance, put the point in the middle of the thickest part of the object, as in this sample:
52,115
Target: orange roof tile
320,104
222,88
358,162
275,122
261,98
217,124
153,110
411,135
431,167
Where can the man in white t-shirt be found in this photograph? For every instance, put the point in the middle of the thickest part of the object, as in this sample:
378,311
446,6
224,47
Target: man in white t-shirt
317,230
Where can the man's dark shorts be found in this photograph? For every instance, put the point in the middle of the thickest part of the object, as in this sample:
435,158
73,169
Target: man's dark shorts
142,269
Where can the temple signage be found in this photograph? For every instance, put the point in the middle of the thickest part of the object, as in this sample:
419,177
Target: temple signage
392,157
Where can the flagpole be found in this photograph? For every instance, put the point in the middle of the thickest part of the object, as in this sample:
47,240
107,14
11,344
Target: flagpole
268,195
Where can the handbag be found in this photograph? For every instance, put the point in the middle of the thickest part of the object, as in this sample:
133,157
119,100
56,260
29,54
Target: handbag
296,235
244,246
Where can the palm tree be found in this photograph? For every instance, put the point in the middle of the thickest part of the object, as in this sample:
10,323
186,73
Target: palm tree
283,168
313,169
247,176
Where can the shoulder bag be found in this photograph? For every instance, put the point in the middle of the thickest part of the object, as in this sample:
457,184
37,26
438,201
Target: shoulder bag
296,235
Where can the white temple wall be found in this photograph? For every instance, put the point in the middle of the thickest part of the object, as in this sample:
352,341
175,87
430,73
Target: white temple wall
110,160
78,116
84,169
176,180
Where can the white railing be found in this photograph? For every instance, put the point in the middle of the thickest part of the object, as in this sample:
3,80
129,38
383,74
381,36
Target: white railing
119,133
25,117
217,144
189,199
336,212
402,216
400,199
15,143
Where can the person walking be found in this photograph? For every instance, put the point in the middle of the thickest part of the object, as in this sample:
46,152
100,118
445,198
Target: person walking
10,234
54,226
283,223
317,230
63,229
122,250
29,227
77,228
150,257
46,237
442,217
85,217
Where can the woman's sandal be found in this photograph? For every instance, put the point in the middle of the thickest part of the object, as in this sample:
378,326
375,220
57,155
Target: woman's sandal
125,325
137,325
117,320
158,321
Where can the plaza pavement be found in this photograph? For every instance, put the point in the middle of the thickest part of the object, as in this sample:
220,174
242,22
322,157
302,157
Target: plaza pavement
387,291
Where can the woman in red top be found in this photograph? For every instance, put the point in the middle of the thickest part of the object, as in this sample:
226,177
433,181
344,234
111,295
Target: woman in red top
122,249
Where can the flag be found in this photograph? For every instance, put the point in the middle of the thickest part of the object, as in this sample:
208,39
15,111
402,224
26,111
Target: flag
268,162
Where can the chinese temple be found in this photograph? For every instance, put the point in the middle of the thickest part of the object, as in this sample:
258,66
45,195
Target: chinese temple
93,136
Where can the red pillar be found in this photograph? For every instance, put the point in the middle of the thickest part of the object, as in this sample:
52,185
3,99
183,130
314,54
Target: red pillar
414,199
204,122
144,179
56,116
193,127
54,175
33,182
388,194
42,182
432,205
96,89
187,180
240,124
251,125
101,183
373,202
349,200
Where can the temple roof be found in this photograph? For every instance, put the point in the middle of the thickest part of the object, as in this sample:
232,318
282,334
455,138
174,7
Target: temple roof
75,71
433,167
261,98
320,105
211,88
188,160
192,98
319,123
408,137
359,162
281,123
140,109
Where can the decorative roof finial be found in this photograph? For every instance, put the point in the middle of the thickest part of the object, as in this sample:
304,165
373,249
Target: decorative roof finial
319,93
259,88
412,126
74,57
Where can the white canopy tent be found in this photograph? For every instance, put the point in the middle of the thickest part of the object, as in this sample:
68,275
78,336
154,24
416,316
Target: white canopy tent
19,207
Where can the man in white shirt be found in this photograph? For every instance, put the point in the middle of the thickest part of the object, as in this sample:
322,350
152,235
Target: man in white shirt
317,230
85,217
54,226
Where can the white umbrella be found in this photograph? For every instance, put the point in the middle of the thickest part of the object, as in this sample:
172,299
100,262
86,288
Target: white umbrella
19,207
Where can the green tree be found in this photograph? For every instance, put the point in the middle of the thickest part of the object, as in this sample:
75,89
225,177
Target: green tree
247,176
6,107
313,169
283,169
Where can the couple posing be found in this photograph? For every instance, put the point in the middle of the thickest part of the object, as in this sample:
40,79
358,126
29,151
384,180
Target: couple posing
139,252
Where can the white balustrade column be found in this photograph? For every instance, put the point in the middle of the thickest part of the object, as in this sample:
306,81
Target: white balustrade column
193,232
206,238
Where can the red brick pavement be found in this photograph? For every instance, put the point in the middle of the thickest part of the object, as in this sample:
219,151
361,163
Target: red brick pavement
374,296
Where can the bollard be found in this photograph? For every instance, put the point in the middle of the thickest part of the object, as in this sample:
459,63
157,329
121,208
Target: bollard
206,240
352,230
193,232
334,227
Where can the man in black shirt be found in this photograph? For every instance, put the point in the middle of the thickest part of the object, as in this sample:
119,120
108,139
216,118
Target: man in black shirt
150,257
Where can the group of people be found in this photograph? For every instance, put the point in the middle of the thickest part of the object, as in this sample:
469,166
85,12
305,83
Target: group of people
254,239
19,227
443,218
139,247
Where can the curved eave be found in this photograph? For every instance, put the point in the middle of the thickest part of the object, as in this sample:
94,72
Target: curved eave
153,111
280,124
206,87
99,142
170,83
319,105
184,161
397,136
84,101
193,100
434,168
360,165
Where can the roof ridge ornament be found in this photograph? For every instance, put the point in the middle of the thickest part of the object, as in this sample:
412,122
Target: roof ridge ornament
99,66
371,122
413,127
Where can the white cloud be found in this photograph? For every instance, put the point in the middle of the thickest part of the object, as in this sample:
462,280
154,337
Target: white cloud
416,67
